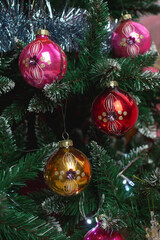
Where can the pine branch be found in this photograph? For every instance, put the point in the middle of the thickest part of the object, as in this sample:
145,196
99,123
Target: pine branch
56,92
8,146
134,8
26,168
43,133
20,224
39,103
15,112
5,62
20,135
6,84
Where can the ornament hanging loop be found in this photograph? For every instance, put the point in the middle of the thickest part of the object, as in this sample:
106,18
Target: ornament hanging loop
65,135
81,206
125,16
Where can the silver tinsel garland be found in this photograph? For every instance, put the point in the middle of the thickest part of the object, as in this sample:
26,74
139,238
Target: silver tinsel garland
66,28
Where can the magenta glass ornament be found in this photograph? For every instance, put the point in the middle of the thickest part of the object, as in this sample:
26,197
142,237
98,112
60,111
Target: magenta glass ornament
42,61
150,69
99,233
130,39
114,111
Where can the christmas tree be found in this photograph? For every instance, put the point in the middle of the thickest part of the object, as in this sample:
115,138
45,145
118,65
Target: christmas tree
109,178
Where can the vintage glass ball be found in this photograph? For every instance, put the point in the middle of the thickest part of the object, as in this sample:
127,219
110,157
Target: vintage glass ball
150,69
68,170
42,61
98,233
114,111
130,39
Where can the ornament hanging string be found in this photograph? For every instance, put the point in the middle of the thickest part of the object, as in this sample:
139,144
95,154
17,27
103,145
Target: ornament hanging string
122,5
32,4
81,206
22,6
65,134
29,9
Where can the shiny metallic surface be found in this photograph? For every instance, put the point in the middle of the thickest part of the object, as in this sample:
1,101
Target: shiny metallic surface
130,39
67,171
42,61
66,143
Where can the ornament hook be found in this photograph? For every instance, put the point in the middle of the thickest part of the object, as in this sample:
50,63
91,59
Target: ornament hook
65,135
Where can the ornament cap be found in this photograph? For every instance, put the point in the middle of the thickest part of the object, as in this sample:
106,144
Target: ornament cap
101,217
66,143
125,17
42,32
113,84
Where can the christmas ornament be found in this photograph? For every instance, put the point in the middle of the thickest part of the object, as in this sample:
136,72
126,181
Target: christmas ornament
102,231
67,171
114,111
150,69
42,61
130,38
154,232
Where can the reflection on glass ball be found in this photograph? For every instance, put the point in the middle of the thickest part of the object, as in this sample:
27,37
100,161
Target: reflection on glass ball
68,170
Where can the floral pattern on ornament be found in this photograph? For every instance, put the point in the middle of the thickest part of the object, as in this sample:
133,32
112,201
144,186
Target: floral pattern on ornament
111,117
32,62
131,40
70,185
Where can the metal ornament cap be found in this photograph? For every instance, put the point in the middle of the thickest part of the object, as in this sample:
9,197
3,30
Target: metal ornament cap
125,17
113,84
66,143
102,221
42,32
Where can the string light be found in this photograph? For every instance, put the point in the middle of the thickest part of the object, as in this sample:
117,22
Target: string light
89,221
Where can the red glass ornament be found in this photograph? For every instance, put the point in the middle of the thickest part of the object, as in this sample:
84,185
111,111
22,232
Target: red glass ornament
130,39
114,111
150,69
99,233
42,61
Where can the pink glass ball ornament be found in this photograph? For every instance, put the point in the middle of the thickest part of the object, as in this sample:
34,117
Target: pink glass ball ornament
150,69
42,61
130,38
102,232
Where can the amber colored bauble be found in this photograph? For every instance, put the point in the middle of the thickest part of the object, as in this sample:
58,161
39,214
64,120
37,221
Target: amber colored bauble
114,111
68,170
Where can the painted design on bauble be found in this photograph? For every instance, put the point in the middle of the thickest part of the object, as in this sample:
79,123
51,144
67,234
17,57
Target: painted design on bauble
110,116
70,184
42,61
114,111
35,69
112,123
130,39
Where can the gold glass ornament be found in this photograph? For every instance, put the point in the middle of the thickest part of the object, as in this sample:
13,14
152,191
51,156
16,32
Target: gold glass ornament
68,170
